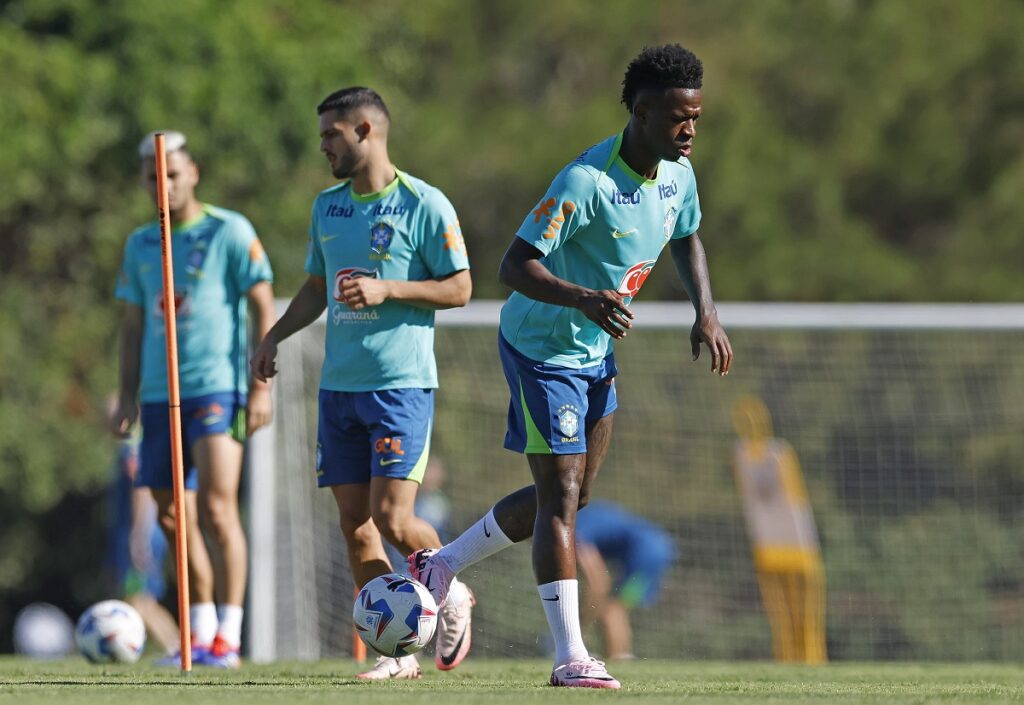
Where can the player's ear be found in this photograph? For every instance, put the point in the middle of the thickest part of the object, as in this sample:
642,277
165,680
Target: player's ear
363,130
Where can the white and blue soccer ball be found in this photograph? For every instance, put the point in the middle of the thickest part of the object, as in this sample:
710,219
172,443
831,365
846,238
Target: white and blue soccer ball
111,631
395,615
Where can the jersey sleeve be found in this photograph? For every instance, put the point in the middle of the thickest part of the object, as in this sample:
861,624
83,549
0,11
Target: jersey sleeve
129,284
248,260
314,255
688,219
568,206
439,240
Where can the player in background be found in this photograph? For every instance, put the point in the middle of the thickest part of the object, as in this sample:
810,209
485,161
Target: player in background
136,546
577,261
385,251
609,538
220,271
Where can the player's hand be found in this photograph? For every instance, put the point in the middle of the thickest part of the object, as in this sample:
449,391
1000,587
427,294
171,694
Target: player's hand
123,418
709,331
608,310
360,292
259,410
262,363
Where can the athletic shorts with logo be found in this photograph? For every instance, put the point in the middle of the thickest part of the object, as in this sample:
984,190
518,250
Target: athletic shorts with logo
551,406
206,415
383,433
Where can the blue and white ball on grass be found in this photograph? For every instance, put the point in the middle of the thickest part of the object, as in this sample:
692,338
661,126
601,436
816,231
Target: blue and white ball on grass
111,631
395,615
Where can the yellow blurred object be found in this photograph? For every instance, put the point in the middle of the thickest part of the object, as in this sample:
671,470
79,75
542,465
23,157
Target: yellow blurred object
787,555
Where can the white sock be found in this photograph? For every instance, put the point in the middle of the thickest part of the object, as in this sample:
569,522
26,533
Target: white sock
484,538
562,608
203,616
230,618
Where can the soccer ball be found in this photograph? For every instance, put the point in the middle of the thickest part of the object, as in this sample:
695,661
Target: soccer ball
395,615
111,631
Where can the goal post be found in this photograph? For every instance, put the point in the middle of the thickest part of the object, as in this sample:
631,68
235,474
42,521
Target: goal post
906,420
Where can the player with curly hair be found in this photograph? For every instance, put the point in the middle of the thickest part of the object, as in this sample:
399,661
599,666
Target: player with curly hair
576,263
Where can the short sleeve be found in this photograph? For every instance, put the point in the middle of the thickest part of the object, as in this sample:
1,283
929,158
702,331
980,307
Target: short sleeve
688,219
249,262
568,206
440,244
129,285
314,255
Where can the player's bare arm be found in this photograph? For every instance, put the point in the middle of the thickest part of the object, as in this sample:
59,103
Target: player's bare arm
522,270
259,409
692,265
450,291
127,412
306,307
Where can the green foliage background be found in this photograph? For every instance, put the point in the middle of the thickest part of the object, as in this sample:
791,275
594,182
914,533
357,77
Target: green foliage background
850,150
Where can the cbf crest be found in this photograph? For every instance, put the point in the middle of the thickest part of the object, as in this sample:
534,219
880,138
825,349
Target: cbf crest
568,422
381,235
670,221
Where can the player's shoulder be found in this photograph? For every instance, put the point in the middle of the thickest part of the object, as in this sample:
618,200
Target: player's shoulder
333,191
226,216
585,171
682,168
424,194
147,233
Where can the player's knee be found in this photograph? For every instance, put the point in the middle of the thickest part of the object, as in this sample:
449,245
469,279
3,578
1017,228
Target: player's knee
583,499
391,523
166,519
219,513
357,530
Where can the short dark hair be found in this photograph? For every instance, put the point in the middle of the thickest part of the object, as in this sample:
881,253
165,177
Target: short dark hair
347,99
660,68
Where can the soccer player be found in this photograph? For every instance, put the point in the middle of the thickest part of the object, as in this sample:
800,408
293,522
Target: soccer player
609,537
577,261
220,270
385,251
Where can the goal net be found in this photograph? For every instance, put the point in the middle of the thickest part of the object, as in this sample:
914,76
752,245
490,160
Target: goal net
907,421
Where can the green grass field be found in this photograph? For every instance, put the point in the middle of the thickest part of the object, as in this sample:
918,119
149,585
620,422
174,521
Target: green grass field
515,681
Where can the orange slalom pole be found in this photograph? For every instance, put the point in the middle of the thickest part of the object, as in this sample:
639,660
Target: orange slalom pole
174,405
358,645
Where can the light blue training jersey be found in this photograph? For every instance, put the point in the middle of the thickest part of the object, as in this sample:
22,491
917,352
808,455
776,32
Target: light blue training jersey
407,231
217,258
602,226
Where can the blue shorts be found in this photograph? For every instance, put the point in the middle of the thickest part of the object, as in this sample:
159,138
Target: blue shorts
643,571
373,434
551,407
207,415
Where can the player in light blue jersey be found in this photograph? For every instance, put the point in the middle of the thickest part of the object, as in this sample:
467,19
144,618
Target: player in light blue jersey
385,251
578,260
220,273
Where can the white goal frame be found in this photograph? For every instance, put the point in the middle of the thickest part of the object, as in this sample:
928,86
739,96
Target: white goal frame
262,599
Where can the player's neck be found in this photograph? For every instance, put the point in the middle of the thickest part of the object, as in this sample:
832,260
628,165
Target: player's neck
638,158
190,211
375,177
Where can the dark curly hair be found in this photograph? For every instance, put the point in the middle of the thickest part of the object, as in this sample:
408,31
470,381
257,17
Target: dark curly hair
659,68
348,99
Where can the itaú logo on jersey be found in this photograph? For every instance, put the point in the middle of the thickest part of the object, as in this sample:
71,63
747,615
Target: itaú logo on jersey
347,273
635,278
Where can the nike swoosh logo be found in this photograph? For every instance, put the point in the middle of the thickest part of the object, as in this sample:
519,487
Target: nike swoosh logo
550,599
447,660
325,238
486,532
392,461
616,234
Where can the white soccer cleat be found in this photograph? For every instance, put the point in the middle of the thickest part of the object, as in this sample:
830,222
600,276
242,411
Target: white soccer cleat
433,572
386,668
586,673
454,622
